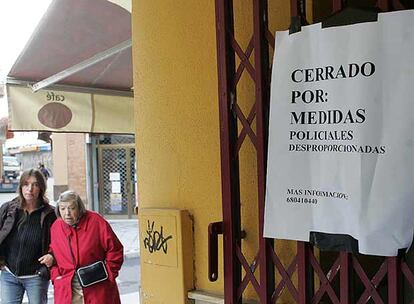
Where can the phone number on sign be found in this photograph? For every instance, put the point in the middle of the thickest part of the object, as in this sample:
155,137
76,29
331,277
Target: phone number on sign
301,200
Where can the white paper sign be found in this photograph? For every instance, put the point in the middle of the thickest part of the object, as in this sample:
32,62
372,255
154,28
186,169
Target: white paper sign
341,142
116,187
114,176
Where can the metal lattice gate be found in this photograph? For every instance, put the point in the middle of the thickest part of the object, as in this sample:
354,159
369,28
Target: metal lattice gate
117,179
308,276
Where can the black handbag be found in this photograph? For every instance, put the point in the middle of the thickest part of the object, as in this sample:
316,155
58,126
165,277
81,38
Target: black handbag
92,274
43,272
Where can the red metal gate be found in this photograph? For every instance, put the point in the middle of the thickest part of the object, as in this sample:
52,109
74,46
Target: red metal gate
308,278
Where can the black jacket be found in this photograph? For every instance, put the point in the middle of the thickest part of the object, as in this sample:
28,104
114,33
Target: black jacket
8,215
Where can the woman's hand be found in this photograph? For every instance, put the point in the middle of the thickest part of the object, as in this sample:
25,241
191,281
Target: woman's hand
47,259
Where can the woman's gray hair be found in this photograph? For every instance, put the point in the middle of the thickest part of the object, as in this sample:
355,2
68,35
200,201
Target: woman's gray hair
70,196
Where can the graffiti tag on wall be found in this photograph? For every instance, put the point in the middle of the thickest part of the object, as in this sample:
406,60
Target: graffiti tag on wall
155,240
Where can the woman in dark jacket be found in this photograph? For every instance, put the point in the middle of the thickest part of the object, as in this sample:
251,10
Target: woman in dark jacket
25,237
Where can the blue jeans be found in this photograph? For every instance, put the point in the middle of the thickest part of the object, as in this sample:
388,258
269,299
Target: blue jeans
12,289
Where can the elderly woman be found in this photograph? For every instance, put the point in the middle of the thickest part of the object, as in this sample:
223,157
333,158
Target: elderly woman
81,238
24,237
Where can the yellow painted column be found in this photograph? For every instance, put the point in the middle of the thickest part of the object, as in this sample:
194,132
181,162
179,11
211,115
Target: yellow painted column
176,114
176,119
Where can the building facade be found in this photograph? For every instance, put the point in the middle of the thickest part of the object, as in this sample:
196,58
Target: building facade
184,67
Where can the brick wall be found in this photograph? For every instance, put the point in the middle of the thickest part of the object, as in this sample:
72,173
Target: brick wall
77,165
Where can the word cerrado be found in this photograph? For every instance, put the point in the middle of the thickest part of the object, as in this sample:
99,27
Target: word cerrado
329,72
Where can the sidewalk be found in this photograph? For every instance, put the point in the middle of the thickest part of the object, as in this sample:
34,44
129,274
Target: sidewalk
130,298
127,233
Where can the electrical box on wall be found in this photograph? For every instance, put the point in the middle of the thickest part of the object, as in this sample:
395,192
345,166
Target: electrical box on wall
166,248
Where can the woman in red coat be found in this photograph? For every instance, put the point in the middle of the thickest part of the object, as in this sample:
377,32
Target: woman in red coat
81,238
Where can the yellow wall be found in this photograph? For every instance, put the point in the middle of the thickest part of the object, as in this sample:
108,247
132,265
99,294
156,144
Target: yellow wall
176,114
175,88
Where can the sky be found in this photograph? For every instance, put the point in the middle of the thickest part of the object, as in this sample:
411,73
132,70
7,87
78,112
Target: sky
18,19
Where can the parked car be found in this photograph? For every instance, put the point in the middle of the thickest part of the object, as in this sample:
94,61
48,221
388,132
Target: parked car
11,167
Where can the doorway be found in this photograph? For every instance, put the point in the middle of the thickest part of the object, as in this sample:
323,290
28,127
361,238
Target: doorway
117,176
278,271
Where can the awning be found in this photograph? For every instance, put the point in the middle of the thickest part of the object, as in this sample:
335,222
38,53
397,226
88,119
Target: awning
64,111
80,49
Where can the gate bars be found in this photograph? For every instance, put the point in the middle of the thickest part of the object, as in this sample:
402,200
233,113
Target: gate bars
346,268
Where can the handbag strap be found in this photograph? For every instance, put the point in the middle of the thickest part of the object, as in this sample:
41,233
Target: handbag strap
70,247
71,253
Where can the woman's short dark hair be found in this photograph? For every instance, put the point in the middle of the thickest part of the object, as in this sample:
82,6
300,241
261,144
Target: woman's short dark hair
40,179
70,196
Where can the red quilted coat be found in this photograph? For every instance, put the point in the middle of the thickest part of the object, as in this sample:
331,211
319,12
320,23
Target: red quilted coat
93,240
